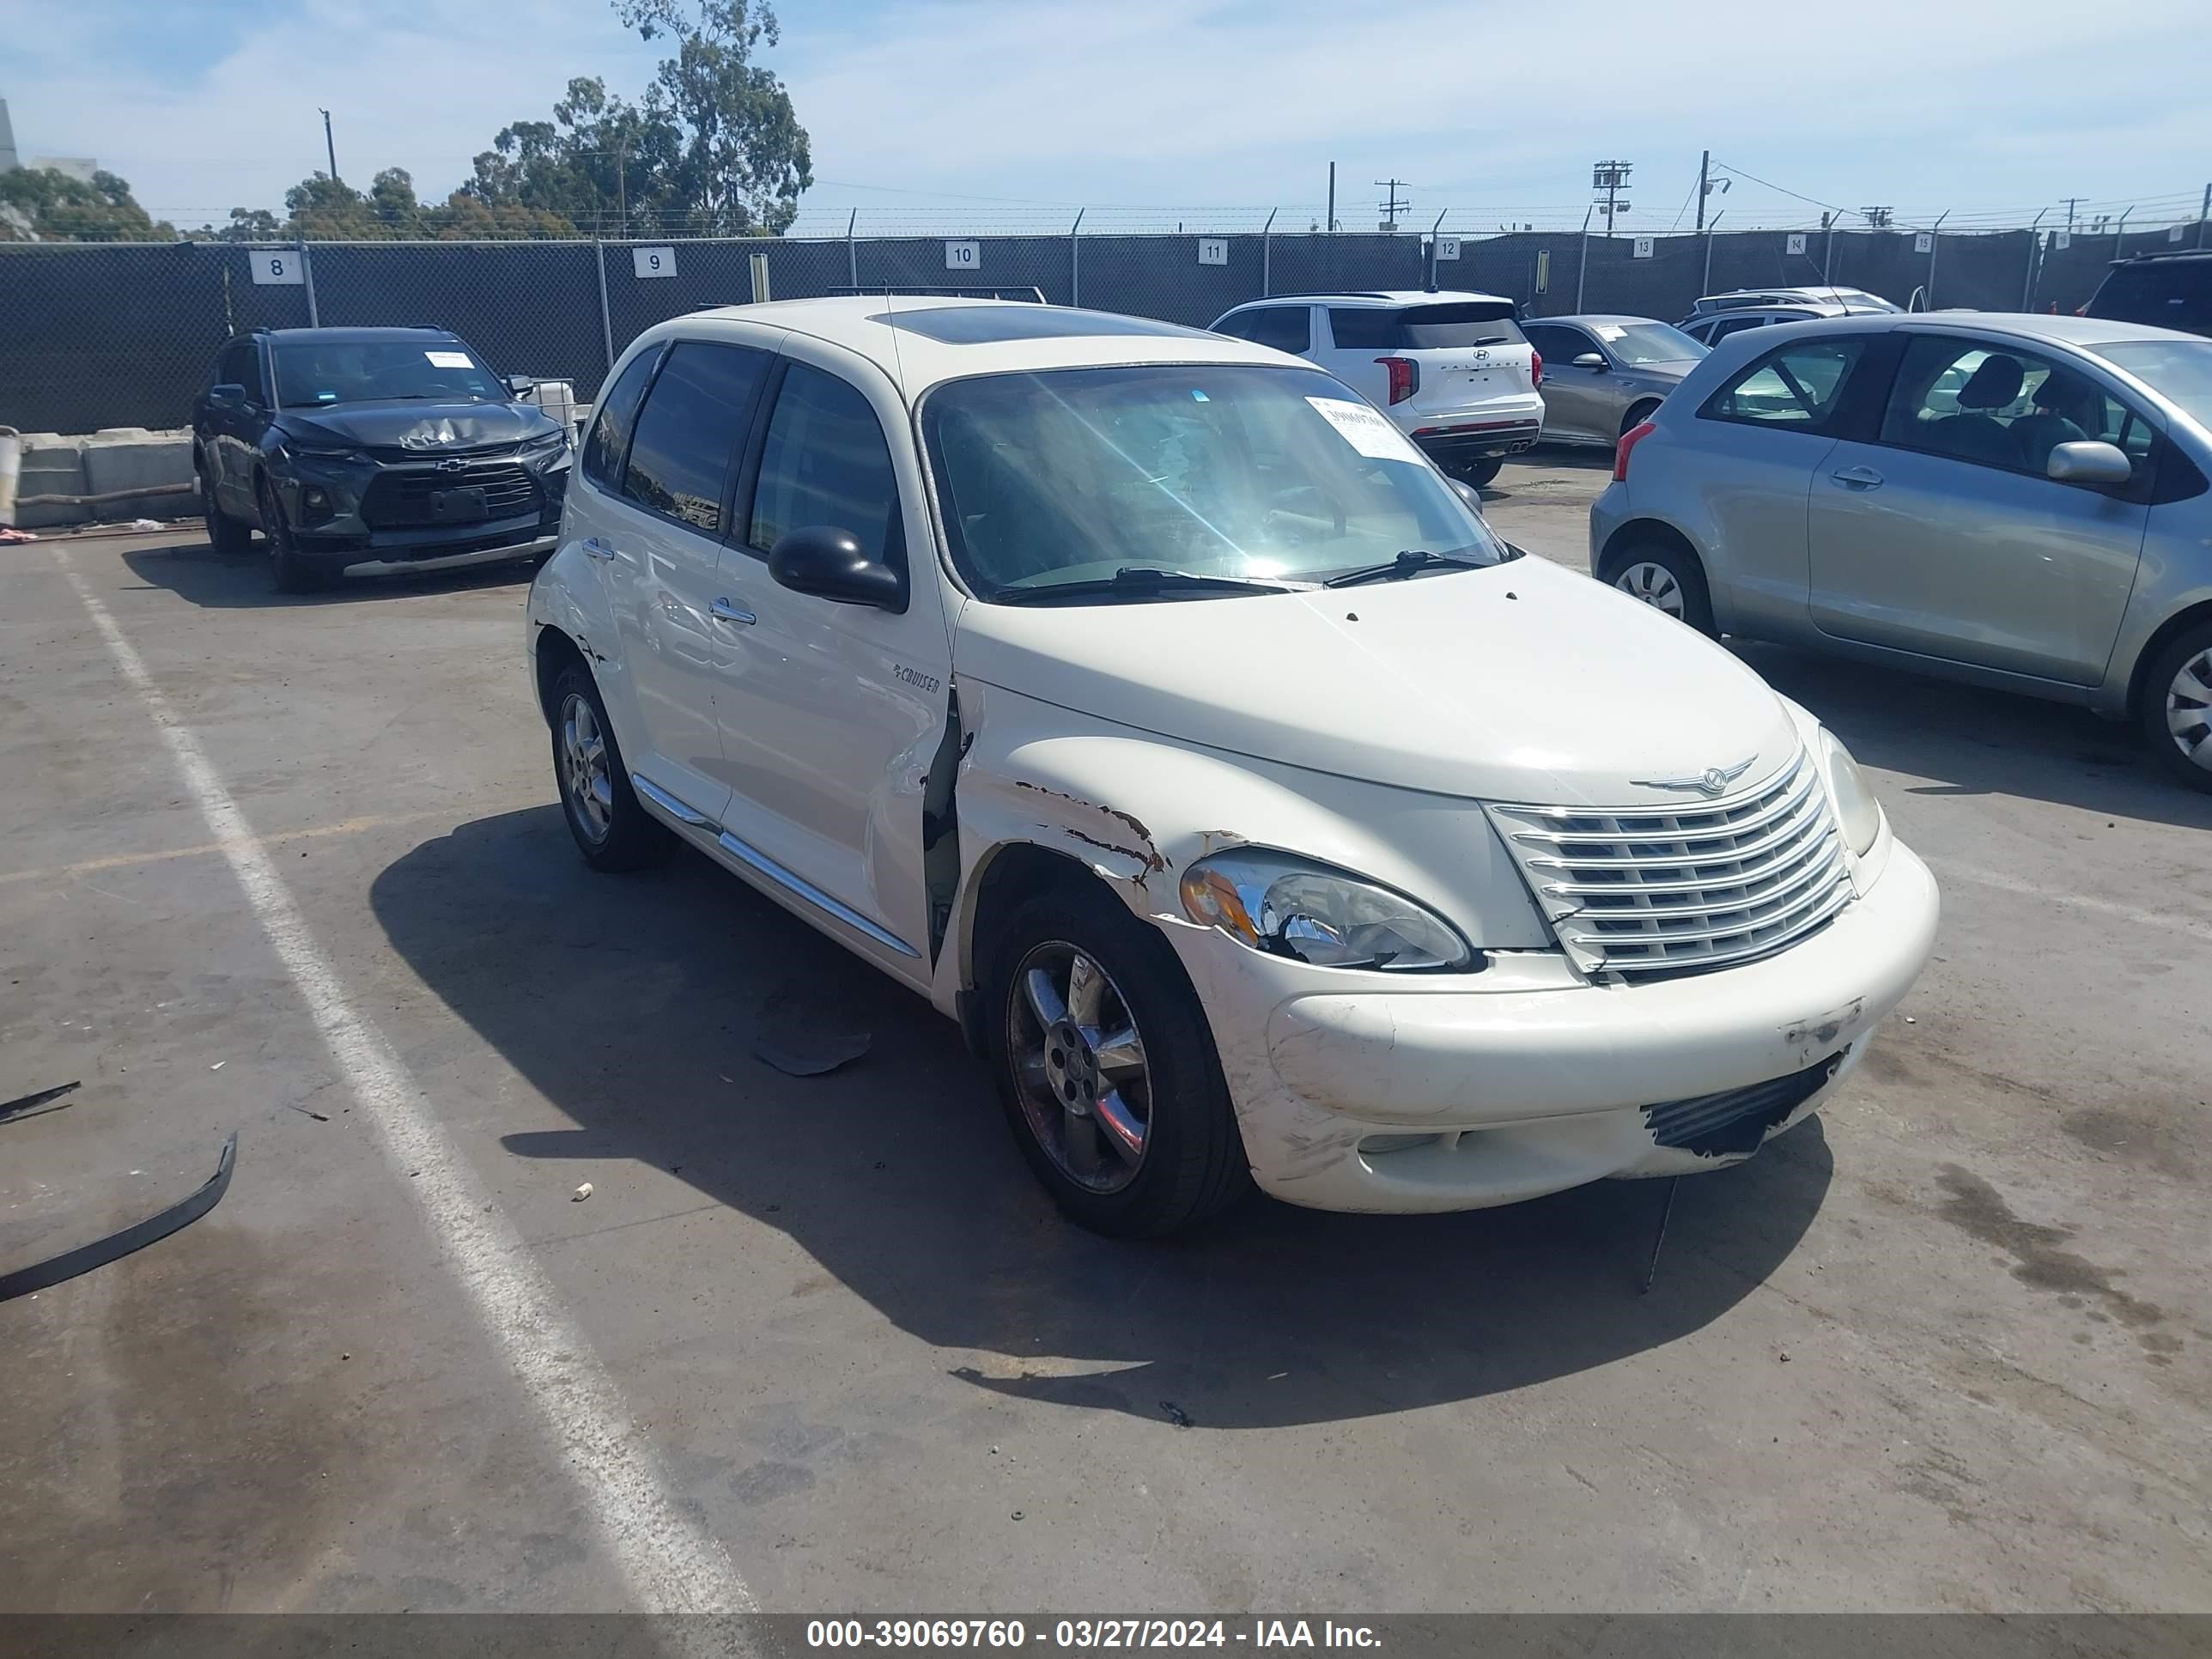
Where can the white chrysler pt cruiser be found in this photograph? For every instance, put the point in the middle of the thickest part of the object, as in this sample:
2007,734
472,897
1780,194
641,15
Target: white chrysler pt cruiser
1145,700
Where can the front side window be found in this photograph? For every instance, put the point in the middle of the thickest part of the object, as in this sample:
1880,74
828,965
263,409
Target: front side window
687,434
1797,386
1997,406
1728,326
235,366
825,463
611,422
1240,471
317,372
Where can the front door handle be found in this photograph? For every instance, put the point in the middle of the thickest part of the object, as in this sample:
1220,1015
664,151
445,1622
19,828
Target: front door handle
598,549
1858,477
724,611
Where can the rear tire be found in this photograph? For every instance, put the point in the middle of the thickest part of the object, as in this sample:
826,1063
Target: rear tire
2176,715
225,534
1666,578
612,829
294,571
1192,1163
1478,473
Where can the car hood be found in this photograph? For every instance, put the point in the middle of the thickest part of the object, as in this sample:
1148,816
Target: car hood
431,427
1523,683
1672,369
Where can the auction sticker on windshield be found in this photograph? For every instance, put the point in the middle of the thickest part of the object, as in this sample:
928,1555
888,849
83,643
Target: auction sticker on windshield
1366,430
448,359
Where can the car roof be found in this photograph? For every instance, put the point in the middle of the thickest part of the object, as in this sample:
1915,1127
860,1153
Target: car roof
1620,317
2087,333
920,340
357,336
1378,297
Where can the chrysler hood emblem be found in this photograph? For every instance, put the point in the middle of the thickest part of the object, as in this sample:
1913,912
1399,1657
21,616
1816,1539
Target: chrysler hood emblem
1710,782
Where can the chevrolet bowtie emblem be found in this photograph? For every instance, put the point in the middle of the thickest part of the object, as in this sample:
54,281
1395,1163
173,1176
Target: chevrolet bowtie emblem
1710,782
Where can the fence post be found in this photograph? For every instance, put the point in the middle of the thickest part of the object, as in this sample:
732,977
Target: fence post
852,251
1075,258
1705,282
1935,246
1828,252
1582,263
2120,239
1267,254
307,276
606,317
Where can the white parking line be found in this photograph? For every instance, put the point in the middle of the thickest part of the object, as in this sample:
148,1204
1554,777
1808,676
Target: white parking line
2167,922
670,1563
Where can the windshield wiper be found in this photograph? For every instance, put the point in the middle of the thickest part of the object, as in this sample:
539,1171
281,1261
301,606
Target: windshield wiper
1141,581
1412,559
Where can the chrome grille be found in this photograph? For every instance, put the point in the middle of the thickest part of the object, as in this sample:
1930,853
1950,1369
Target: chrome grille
1644,890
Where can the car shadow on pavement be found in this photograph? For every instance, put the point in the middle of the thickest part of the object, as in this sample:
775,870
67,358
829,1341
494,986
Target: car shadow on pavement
195,571
1967,741
633,1004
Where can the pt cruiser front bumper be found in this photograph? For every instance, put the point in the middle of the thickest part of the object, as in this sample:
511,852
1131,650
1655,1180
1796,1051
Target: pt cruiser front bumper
1469,1090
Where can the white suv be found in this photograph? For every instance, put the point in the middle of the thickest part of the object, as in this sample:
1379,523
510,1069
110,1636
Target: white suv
1453,371
1153,707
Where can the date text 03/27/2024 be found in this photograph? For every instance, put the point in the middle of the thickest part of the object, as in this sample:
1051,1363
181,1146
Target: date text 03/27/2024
1087,1633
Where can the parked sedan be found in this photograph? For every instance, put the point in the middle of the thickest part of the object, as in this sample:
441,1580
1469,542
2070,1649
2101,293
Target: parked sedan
372,450
2018,502
1605,374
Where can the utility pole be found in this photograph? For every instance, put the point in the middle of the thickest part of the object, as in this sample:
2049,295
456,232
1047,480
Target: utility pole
1611,178
1704,185
1330,226
330,146
2070,201
1389,209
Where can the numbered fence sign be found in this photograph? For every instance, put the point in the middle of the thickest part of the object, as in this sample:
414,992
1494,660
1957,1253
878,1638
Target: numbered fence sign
1923,241
653,262
2173,233
1213,249
280,265
1796,243
1447,247
1643,248
2062,238
963,255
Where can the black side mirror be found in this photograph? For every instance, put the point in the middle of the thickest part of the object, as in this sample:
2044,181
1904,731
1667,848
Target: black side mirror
519,384
228,395
830,564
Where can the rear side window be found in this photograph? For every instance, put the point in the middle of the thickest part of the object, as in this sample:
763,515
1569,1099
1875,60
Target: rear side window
2164,293
1560,345
1363,328
611,422
1286,328
825,463
689,433
1798,387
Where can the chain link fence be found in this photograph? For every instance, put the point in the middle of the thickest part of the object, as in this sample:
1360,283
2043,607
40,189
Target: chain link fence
104,335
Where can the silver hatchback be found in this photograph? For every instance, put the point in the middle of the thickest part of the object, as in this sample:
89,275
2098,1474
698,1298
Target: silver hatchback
2019,502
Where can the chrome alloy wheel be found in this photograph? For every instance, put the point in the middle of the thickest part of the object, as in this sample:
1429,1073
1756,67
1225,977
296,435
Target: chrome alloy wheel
2188,709
1654,584
584,777
1079,1067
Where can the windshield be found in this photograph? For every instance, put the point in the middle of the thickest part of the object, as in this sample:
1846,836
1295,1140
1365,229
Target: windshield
324,371
1224,470
2180,371
1638,344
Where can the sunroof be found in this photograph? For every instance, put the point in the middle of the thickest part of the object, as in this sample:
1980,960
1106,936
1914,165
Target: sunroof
985,325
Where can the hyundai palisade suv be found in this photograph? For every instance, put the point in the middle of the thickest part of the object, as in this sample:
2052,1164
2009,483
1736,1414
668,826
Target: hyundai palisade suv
373,450
1148,702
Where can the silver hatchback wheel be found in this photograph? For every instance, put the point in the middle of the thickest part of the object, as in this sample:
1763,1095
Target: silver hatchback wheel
2188,709
1079,1067
584,775
1654,584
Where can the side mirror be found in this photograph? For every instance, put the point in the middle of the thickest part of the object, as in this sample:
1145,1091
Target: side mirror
519,384
1589,360
830,564
2089,463
1467,493
226,396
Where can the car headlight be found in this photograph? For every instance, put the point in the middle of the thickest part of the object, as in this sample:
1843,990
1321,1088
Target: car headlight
1288,906
1855,802
551,447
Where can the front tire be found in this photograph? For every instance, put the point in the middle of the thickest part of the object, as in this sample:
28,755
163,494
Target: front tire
2176,707
1106,1068
612,829
1667,579
295,572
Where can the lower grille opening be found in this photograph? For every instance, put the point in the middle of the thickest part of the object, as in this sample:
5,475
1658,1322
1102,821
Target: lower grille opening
1737,1120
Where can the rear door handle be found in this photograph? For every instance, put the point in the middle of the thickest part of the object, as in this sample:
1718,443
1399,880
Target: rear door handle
1858,477
598,548
724,611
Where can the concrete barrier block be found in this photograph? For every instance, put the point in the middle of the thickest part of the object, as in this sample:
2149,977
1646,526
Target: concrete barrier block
51,466
132,458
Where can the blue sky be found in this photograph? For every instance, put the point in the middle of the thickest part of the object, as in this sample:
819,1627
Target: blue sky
1003,116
